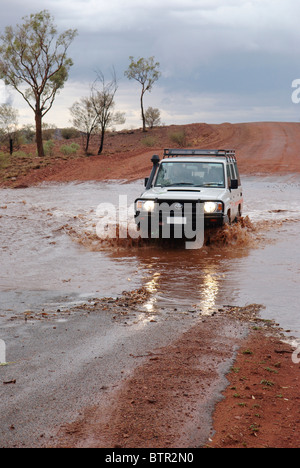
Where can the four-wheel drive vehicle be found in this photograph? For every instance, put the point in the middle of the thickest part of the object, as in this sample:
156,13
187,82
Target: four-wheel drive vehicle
185,178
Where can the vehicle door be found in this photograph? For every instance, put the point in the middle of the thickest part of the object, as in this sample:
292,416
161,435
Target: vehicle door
234,192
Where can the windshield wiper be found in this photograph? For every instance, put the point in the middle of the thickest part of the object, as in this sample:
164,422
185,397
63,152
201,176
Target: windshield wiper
179,184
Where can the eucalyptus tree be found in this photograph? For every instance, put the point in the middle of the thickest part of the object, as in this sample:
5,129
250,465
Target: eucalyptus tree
8,124
33,60
152,117
146,72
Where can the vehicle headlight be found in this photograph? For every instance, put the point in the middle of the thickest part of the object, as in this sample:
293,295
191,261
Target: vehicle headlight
213,207
147,205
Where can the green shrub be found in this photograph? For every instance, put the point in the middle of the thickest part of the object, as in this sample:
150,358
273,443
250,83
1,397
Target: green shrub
69,149
4,160
26,135
149,141
48,133
68,133
48,147
179,138
21,155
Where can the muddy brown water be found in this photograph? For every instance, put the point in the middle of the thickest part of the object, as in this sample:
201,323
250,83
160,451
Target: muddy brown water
52,259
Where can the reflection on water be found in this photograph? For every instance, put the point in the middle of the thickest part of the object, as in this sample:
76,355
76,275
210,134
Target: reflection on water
181,280
209,293
152,288
42,266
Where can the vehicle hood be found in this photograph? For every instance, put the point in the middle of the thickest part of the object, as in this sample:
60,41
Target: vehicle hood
184,193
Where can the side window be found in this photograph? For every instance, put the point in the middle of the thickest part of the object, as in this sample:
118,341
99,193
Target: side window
237,173
228,169
232,172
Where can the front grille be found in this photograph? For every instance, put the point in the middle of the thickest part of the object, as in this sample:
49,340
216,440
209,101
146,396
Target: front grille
178,209
189,207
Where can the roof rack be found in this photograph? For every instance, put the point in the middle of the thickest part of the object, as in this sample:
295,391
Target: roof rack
169,153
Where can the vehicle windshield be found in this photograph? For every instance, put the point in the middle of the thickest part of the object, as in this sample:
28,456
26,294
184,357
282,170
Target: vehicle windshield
195,174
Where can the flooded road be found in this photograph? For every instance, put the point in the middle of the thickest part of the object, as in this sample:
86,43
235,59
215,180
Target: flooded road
51,259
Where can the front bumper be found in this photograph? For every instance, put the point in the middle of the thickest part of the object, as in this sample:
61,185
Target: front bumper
214,220
165,216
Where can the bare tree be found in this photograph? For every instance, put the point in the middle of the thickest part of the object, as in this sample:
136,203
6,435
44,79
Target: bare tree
85,118
8,123
102,96
146,72
35,64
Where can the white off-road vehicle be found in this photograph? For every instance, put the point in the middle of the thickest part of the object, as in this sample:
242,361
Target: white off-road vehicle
188,184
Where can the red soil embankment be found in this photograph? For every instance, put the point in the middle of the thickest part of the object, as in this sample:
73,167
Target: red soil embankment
261,148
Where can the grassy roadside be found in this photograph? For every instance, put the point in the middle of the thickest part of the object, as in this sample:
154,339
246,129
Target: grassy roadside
24,161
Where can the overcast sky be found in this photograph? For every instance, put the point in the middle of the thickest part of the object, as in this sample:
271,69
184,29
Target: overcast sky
221,60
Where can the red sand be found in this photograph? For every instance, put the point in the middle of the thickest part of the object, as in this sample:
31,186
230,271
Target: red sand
263,147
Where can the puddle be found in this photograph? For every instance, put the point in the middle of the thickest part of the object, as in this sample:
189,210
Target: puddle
51,257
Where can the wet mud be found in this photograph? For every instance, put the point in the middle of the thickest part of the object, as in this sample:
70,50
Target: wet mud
260,408
170,398
176,386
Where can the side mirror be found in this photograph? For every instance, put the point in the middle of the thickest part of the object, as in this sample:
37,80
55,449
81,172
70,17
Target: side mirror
146,181
234,184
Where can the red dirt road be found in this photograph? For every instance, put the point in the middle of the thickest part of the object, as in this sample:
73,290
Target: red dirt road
262,147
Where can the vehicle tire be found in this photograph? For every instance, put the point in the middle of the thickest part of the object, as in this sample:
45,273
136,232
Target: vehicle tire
239,215
228,218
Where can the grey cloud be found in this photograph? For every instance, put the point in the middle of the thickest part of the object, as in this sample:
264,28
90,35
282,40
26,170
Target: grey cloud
242,51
